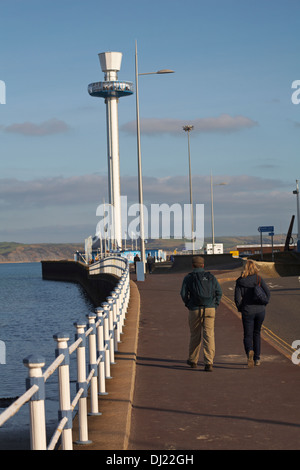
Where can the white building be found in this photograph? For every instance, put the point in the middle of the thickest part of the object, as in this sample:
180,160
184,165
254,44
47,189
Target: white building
216,249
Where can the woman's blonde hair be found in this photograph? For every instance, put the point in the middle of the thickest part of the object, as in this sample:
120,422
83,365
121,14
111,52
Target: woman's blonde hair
250,268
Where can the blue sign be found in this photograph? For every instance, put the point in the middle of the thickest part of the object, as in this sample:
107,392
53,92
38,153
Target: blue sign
266,229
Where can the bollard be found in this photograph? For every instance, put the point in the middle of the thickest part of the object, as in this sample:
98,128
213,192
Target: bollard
110,302
37,402
101,351
82,383
105,307
64,389
93,366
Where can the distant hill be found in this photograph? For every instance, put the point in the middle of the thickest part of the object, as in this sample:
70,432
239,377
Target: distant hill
229,243
11,252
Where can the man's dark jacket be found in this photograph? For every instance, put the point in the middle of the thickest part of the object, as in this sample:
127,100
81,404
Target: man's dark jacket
187,293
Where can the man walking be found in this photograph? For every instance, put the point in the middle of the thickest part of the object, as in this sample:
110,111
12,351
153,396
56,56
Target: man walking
201,294
150,262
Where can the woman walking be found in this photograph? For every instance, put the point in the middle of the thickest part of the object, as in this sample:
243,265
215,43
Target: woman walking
253,312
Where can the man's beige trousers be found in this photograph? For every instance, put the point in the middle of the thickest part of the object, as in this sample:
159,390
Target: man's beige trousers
202,324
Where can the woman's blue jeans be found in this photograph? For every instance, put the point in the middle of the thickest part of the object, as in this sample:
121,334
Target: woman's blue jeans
252,323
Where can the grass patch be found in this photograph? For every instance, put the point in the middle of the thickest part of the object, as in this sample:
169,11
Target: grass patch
8,247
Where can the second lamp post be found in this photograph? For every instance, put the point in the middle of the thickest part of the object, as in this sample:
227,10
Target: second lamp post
140,180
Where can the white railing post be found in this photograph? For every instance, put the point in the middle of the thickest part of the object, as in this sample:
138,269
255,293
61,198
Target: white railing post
110,302
93,365
101,351
127,284
117,291
37,402
82,383
123,306
116,296
122,301
105,307
64,389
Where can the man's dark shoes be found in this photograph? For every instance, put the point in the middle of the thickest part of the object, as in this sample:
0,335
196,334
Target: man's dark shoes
192,364
208,368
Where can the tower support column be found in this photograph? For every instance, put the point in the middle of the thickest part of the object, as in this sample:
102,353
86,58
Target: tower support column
113,157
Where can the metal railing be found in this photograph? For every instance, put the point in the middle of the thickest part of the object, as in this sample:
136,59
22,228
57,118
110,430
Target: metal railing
103,334
113,265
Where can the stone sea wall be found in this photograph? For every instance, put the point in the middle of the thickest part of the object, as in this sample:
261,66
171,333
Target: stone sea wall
98,287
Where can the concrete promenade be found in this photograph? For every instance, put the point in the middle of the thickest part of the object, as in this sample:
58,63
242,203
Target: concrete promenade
157,402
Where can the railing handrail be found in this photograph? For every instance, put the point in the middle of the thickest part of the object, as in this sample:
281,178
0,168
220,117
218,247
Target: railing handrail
17,404
103,334
118,263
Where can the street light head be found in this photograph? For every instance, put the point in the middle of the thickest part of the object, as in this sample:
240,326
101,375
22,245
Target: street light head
159,72
187,128
165,71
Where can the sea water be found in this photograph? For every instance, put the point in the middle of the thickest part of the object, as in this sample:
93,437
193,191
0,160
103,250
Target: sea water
32,310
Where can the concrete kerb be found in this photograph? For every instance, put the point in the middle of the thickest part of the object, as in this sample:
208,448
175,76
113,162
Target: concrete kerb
110,431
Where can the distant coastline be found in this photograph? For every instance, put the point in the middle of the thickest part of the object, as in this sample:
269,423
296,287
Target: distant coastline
12,252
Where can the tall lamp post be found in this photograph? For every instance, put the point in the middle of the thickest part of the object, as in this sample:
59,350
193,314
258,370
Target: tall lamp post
140,181
188,129
212,211
298,221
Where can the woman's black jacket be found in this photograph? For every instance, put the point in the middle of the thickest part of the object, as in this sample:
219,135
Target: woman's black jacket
244,294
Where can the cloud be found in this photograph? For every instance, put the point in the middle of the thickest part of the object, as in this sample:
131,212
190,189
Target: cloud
52,191
268,164
222,124
239,191
240,206
52,126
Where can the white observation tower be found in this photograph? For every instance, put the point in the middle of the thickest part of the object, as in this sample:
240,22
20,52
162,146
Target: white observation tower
111,89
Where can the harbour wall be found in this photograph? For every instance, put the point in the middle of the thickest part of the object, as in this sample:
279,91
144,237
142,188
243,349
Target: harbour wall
97,287
284,264
183,263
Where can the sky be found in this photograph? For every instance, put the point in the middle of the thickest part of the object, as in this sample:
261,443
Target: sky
234,61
